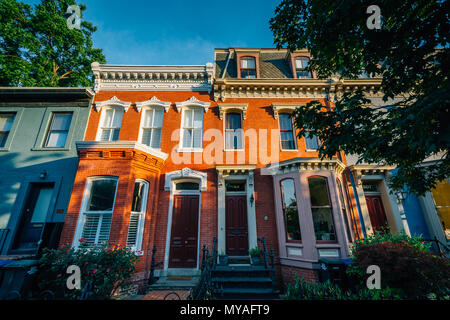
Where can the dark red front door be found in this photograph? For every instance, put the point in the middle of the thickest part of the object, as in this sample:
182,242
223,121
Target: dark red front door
376,212
236,226
183,242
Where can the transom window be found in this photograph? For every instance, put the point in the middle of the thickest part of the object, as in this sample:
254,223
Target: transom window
137,215
192,128
287,132
152,127
290,211
301,64
188,186
321,209
235,186
98,211
248,67
58,130
6,122
110,126
233,131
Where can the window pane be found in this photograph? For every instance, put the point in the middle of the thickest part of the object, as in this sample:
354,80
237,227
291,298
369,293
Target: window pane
148,118
198,138
311,143
244,63
235,186
287,140
156,138
3,138
323,224
108,118
251,63
6,121
61,121
146,136
117,122
158,120
290,210
187,118
319,192
115,136
187,186
233,121
102,195
57,139
285,121
138,195
198,118
187,138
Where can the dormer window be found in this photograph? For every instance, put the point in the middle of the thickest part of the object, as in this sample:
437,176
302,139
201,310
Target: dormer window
248,67
301,64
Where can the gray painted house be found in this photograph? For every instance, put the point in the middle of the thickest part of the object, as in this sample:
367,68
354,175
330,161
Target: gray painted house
38,162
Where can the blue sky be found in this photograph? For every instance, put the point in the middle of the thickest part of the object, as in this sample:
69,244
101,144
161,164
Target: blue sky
175,31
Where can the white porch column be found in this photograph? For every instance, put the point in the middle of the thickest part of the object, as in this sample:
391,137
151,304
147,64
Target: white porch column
221,241
251,212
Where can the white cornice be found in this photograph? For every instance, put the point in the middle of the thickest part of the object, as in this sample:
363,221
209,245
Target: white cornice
304,164
121,145
193,102
114,101
225,107
289,107
153,102
153,78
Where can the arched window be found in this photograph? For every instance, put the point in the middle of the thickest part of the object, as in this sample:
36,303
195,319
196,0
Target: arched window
322,212
290,211
301,64
97,210
248,67
137,215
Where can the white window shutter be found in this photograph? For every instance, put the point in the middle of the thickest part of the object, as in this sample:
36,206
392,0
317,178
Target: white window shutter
133,230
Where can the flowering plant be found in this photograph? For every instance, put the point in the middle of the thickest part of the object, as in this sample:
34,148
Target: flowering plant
103,270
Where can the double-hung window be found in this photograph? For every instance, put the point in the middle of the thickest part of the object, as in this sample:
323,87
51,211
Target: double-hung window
248,67
98,210
322,212
152,127
311,141
110,125
58,130
137,215
234,131
192,128
290,211
287,132
301,65
6,122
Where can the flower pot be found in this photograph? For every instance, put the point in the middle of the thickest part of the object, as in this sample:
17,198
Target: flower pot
255,260
223,260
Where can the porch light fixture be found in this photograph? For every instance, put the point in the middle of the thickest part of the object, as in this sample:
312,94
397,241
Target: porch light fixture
252,199
43,175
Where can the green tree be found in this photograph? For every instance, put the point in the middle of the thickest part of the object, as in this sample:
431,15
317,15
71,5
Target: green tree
38,49
410,53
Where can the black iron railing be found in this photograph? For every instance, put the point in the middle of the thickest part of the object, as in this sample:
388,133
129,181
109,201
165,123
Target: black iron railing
204,288
266,257
442,249
153,265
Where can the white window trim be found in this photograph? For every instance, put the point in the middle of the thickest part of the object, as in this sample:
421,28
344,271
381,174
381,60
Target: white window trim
102,120
181,147
241,112
140,232
141,126
293,134
84,202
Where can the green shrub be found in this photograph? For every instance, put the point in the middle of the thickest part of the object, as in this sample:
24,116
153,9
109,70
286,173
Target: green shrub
405,266
254,252
106,268
304,290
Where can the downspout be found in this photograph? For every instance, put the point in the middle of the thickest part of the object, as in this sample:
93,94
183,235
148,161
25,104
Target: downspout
358,206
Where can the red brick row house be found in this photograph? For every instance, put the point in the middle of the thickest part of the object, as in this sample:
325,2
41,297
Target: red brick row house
174,156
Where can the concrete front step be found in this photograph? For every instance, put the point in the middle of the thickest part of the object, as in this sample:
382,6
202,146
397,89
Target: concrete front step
245,293
165,284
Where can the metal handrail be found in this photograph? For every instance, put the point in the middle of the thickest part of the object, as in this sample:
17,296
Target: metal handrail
439,244
209,262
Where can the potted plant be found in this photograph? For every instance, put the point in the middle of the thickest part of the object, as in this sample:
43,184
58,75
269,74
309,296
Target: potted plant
223,258
255,255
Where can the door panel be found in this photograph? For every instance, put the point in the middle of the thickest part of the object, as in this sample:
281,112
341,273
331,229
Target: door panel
184,234
236,226
376,212
33,217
